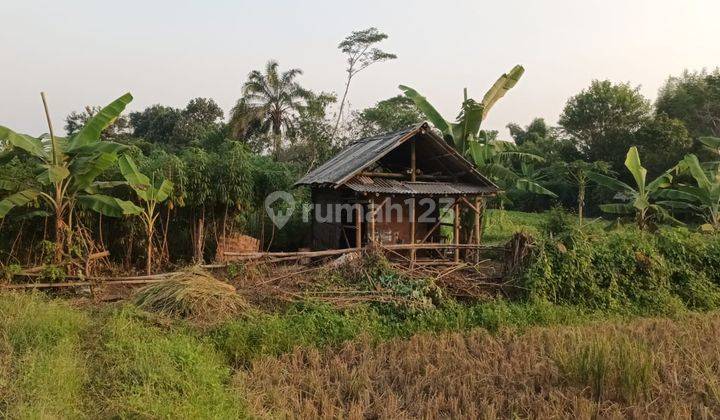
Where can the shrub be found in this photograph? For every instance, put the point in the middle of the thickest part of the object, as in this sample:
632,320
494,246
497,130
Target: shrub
627,270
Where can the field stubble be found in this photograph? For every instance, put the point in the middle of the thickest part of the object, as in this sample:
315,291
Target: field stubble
645,368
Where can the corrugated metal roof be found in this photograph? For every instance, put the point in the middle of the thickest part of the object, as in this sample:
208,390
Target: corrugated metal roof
356,156
360,154
395,186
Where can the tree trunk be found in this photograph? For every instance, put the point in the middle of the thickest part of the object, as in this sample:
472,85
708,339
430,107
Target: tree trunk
342,106
165,249
59,237
199,239
150,232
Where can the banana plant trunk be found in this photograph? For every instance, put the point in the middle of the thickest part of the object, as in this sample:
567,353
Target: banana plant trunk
150,232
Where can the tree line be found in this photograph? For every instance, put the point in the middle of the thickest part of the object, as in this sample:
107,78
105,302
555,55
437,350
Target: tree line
163,184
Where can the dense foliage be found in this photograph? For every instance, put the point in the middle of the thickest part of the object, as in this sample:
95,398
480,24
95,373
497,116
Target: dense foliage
627,269
221,172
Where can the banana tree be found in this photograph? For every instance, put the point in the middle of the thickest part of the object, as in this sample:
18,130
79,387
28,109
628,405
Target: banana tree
466,127
496,159
638,199
493,158
67,169
151,192
704,198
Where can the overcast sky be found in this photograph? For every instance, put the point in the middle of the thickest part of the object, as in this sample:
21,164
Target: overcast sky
90,52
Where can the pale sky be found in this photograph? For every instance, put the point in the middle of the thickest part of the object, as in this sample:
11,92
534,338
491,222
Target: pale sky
90,52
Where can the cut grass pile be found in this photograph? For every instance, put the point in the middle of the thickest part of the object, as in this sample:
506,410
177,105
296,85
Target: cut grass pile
645,368
192,294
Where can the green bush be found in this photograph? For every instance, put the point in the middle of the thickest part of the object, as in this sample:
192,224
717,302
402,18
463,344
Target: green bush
627,270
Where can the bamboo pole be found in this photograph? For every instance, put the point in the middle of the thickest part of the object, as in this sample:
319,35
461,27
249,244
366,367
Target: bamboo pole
413,162
456,230
371,239
358,226
477,227
412,228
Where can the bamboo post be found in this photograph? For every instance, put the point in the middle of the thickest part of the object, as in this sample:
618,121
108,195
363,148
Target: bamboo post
412,227
371,239
477,227
413,162
456,230
358,226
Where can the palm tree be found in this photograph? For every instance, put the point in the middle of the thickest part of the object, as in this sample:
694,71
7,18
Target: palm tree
268,105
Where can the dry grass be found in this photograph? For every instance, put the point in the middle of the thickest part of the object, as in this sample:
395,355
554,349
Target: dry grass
647,368
193,294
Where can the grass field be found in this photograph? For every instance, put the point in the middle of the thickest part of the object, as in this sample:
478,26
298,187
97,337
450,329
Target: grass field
497,358
643,351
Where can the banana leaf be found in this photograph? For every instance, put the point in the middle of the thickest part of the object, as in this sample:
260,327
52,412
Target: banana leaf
90,133
632,162
22,141
617,208
16,200
528,185
610,182
162,192
99,147
108,206
86,169
692,164
56,173
506,82
426,108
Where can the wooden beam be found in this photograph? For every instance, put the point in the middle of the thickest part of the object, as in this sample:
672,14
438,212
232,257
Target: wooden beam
412,222
397,175
456,230
413,162
477,226
384,175
358,226
371,205
437,224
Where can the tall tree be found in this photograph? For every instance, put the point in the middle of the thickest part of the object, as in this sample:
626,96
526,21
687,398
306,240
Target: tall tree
75,121
536,131
388,115
662,142
200,117
178,127
361,50
693,98
311,136
604,118
269,104
155,123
